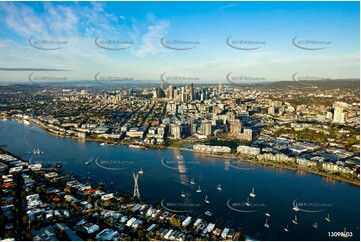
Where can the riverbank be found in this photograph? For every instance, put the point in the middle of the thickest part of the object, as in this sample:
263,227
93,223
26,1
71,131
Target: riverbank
354,181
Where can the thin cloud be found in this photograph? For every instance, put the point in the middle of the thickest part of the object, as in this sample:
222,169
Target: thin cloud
29,69
228,6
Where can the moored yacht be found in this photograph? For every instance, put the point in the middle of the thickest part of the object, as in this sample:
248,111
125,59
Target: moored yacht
199,189
183,194
266,224
252,194
219,188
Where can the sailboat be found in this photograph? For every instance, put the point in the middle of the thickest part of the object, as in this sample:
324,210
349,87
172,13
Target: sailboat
247,202
192,181
206,199
295,208
183,194
266,224
199,189
315,225
268,214
219,188
328,218
286,228
252,194
344,234
141,171
295,220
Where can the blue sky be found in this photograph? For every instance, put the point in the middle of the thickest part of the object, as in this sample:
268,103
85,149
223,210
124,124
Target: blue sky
206,24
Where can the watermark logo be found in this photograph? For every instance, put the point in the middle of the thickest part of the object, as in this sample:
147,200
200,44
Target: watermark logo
245,207
307,44
235,165
113,165
178,44
109,80
302,80
113,44
245,44
178,164
167,79
32,161
310,207
46,44
37,79
236,80
179,207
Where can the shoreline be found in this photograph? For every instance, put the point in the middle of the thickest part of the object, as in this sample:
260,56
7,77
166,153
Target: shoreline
231,156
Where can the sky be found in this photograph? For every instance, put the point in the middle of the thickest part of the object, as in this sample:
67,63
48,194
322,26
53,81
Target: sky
198,41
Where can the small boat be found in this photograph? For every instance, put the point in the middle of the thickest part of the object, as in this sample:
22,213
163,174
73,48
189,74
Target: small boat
206,199
103,144
315,225
208,213
266,224
37,152
252,194
295,220
344,234
295,208
88,162
268,214
286,229
247,202
219,188
179,157
58,165
328,218
141,171
183,194
199,189
192,181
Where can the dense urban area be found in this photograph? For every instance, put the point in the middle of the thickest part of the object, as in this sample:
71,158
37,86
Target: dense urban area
312,127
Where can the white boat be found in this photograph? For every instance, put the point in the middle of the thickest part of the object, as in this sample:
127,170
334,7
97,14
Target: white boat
268,214
328,218
344,234
102,144
206,199
295,220
266,224
247,202
199,189
26,122
219,188
141,171
252,194
37,152
315,225
208,213
192,181
286,228
295,208
179,157
183,194
88,162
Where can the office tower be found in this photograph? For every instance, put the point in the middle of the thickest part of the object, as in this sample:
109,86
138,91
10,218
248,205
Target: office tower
235,127
162,85
338,115
206,128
